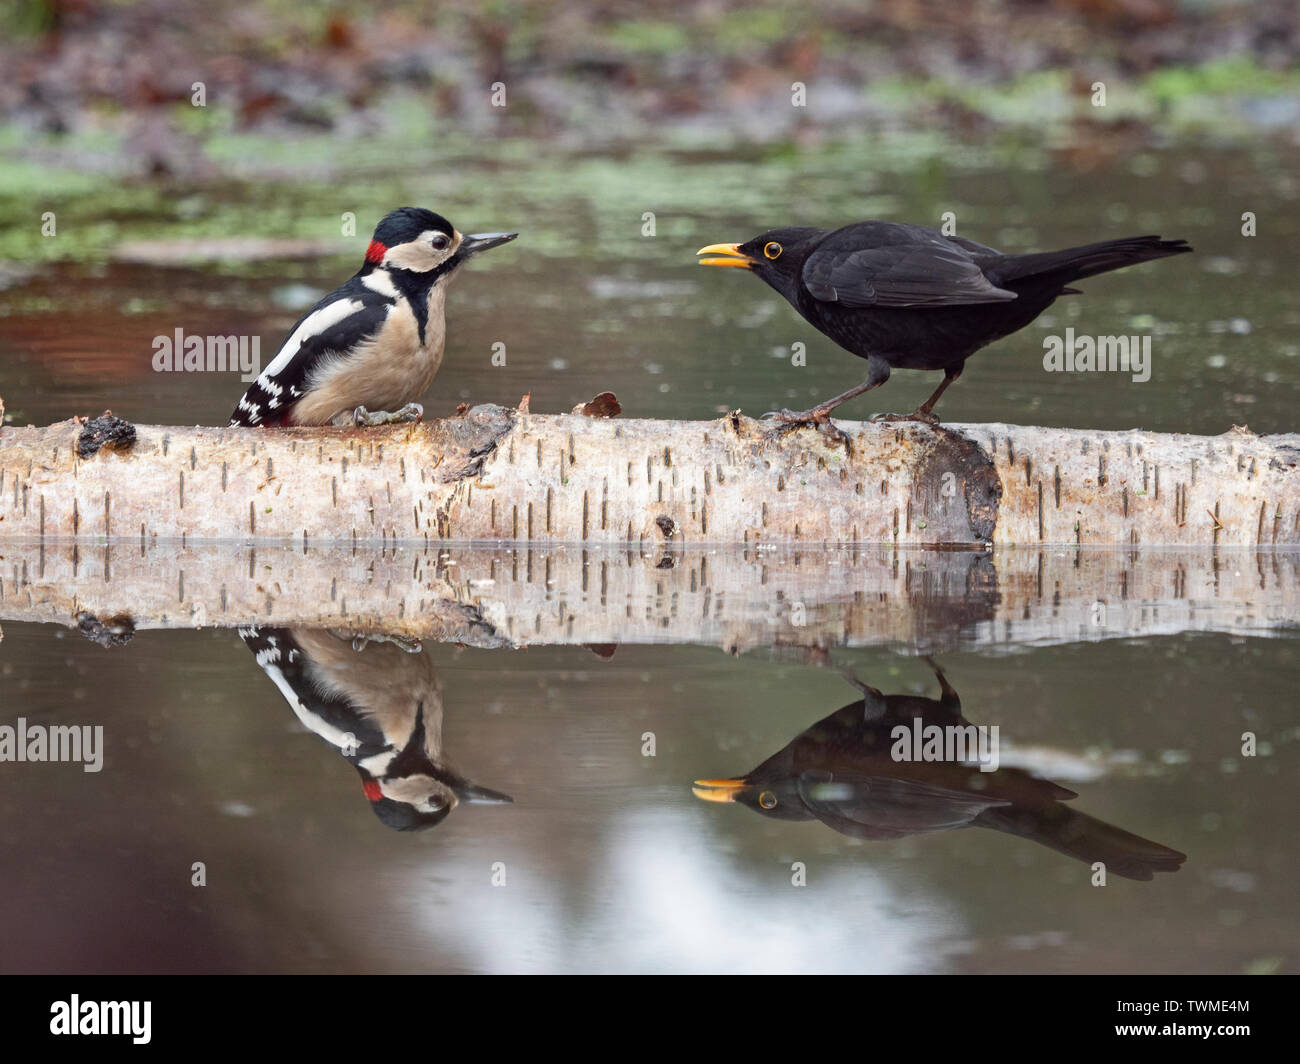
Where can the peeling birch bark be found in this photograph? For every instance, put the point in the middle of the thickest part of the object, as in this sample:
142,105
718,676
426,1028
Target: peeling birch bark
736,599
509,476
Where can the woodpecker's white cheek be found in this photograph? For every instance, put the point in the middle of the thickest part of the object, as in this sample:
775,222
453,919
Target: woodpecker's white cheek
418,255
419,790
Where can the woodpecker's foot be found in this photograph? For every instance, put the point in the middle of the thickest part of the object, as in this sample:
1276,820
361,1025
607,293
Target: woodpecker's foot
411,646
363,418
818,417
923,416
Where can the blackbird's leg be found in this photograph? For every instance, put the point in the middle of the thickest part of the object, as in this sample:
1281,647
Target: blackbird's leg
874,705
924,412
820,415
949,699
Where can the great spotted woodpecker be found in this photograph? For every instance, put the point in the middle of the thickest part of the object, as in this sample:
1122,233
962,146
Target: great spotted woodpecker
379,703
376,341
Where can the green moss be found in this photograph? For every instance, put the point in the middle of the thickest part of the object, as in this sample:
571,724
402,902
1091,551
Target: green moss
282,186
27,18
740,31
648,37
1230,76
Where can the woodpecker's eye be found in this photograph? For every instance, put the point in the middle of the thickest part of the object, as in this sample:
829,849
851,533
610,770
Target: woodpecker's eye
773,251
767,799
441,242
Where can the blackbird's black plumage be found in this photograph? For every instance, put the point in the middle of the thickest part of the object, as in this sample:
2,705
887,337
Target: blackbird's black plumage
841,771
909,297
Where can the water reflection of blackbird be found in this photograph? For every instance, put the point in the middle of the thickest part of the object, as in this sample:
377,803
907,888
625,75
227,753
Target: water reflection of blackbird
840,771
379,703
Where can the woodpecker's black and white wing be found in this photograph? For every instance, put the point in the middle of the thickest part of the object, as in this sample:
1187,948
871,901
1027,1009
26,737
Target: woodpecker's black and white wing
330,712
334,327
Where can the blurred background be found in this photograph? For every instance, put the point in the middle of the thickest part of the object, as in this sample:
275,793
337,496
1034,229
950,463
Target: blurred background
200,160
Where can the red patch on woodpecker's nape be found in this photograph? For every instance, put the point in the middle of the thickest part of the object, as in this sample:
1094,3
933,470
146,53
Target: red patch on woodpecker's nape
376,251
372,791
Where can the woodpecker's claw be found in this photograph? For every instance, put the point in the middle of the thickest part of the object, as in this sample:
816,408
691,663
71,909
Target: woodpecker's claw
411,646
363,418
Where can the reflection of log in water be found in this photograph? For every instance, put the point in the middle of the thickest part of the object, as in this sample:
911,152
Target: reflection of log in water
737,599
497,474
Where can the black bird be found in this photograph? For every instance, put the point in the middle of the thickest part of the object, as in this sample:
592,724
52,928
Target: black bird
377,700
908,297
843,771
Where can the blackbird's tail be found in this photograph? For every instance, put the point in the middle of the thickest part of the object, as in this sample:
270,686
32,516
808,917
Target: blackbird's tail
1073,264
1084,838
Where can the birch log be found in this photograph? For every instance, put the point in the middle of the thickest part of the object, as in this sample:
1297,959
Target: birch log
495,474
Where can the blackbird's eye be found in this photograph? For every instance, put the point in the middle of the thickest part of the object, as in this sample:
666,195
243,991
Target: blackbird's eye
441,242
773,251
767,799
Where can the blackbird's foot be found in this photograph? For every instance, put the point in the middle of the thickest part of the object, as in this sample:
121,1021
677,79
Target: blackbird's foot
923,416
818,417
788,421
793,417
363,418
835,434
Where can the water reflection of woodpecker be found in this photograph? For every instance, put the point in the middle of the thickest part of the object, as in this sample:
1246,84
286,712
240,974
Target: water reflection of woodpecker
841,771
379,703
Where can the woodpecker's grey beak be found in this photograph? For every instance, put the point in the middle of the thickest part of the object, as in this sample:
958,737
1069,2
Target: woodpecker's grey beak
476,242
473,794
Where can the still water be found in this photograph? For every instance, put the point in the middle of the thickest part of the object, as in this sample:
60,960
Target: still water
554,725
579,838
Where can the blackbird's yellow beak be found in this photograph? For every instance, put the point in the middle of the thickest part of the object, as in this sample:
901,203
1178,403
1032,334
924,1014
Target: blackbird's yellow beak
725,255
718,790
